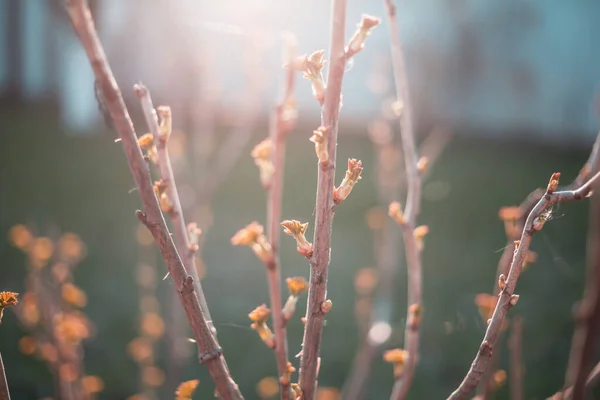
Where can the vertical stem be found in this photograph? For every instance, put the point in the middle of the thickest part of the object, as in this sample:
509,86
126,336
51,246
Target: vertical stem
279,127
411,211
4,393
354,388
516,361
274,269
406,124
325,209
387,265
387,261
587,314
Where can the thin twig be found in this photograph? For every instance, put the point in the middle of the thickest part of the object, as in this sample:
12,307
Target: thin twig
49,305
504,263
354,388
175,212
387,261
431,147
594,377
413,257
4,393
486,387
210,353
587,314
325,208
535,221
146,267
516,359
382,307
278,131
591,381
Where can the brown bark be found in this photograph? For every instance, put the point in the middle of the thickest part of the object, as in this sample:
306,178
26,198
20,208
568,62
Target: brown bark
209,351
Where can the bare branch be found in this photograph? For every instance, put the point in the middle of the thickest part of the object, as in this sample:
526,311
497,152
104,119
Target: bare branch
387,259
587,313
516,359
184,248
411,211
209,351
513,234
280,125
535,221
594,377
513,227
325,207
590,382
4,393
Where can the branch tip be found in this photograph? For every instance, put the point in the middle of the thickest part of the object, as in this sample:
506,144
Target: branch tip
140,90
259,317
253,236
365,26
352,176
553,183
311,66
262,154
297,230
319,138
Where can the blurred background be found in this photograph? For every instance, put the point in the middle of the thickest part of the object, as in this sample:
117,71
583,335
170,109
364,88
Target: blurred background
503,93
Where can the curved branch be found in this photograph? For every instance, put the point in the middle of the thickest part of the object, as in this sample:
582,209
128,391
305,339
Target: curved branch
508,299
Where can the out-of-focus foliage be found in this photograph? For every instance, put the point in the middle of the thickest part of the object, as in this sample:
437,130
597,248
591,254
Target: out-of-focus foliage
83,185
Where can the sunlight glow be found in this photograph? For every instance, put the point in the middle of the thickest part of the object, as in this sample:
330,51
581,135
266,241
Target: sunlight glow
380,332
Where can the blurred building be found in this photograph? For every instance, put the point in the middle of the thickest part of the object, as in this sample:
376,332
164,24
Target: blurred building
501,66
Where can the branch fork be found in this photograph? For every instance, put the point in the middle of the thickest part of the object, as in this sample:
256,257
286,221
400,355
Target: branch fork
152,216
507,299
